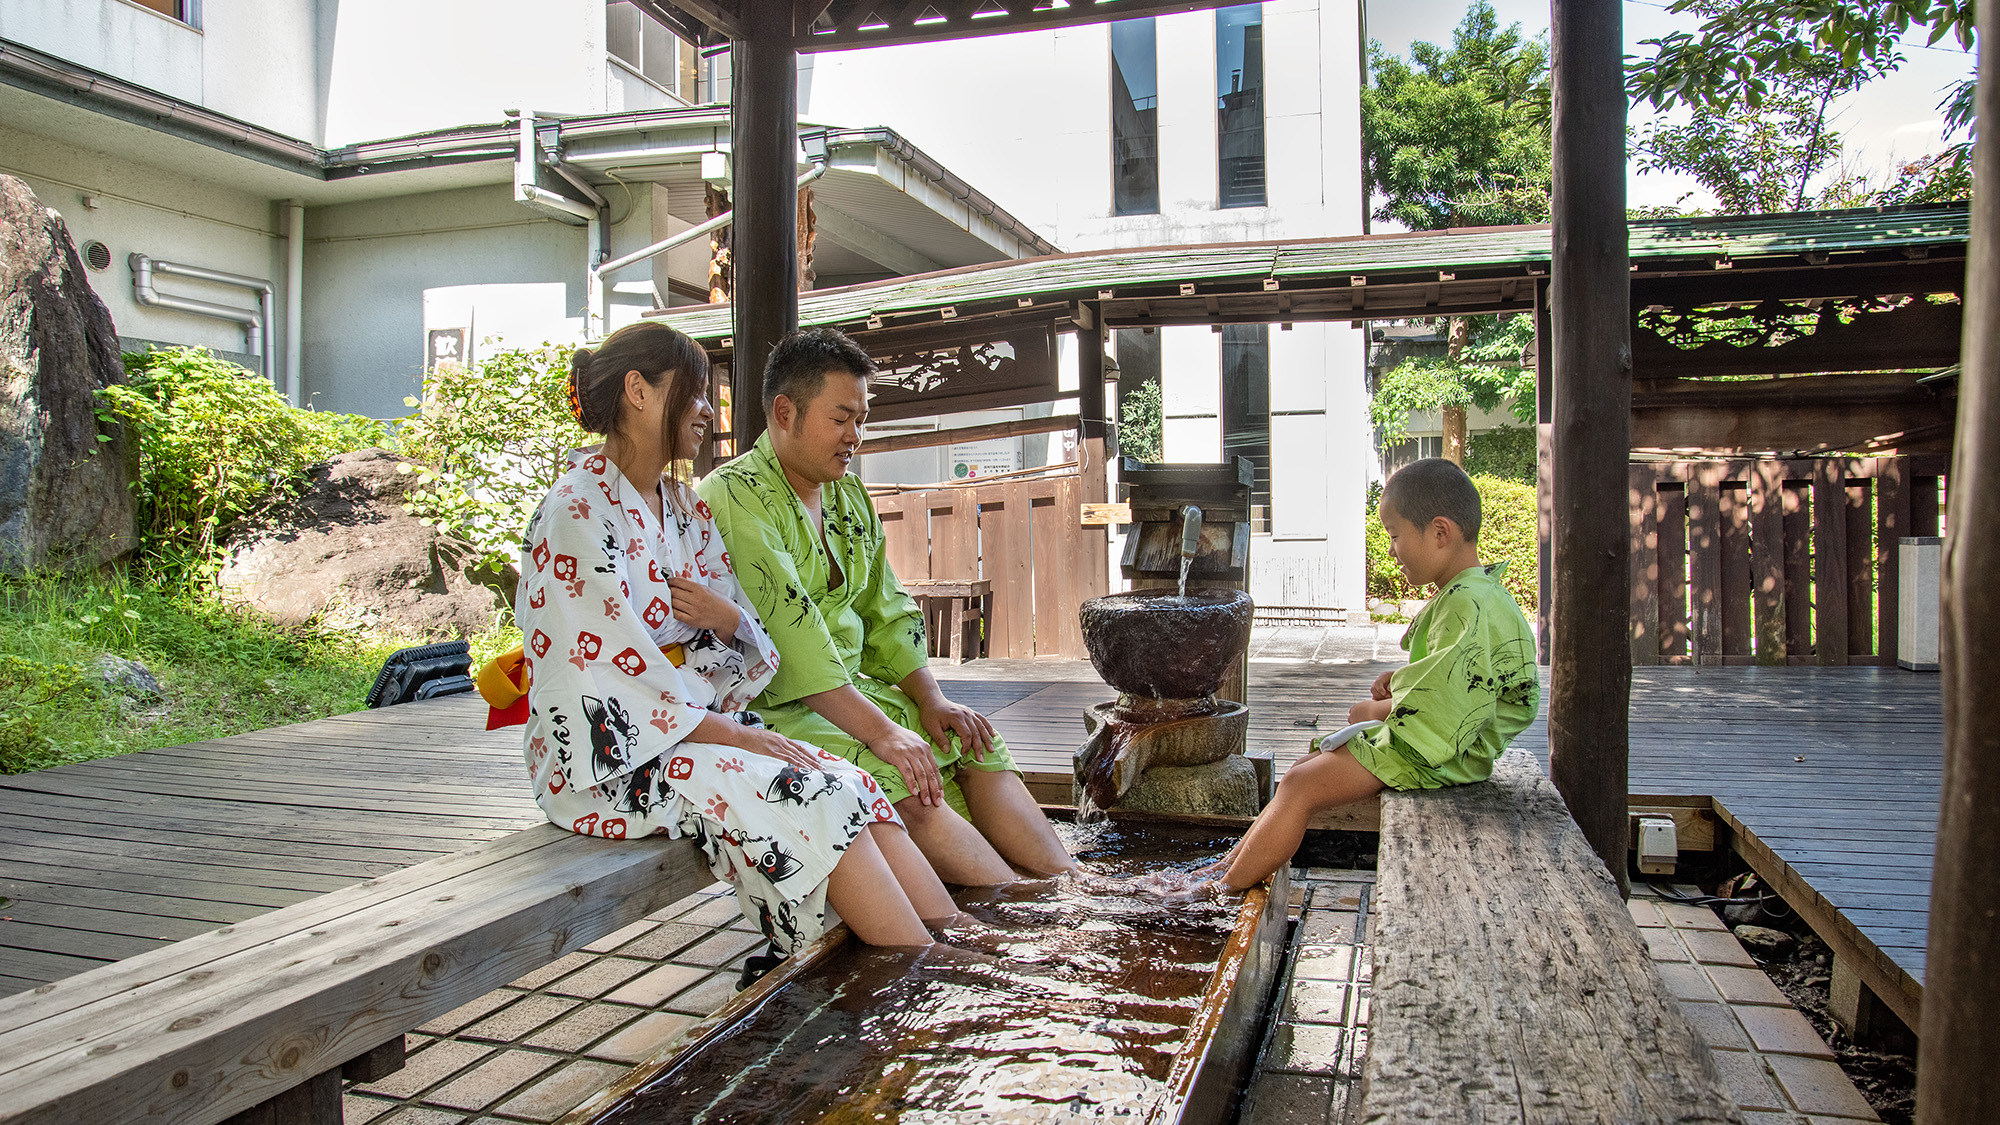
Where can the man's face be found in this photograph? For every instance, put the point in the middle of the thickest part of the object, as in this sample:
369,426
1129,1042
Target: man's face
816,440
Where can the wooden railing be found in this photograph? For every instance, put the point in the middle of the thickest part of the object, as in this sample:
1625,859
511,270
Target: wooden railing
1774,562
1024,536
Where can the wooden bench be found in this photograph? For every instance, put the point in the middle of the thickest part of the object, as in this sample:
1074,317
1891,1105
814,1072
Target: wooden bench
956,614
1511,984
258,1018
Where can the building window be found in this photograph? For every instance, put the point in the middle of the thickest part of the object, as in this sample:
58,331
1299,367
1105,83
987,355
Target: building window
1239,101
644,44
181,10
1135,119
1246,408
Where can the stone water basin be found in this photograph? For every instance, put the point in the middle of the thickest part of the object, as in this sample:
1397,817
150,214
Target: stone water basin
1158,644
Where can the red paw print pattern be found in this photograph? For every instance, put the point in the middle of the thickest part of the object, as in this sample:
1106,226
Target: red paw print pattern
604,486
634,548
613,829
557,780
666,721
653,570
726,568
882,809
580,508
612,609
630,662
539,598
717,806
540,644
657,612
541,555
868,782
680,769
595,462
701,509
565,568
584,825
588,645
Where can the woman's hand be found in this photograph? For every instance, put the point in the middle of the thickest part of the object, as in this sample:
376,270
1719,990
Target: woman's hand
697,605
757,740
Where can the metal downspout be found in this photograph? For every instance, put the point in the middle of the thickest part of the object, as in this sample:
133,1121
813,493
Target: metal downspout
295,283
257,324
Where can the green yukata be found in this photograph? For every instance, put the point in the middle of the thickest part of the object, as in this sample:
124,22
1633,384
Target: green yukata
1468,689
866,632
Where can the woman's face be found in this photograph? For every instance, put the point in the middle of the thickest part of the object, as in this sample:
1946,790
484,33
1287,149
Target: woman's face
694,429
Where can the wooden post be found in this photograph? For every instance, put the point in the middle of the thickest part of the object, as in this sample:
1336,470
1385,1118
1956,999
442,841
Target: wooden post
1590,290
1961,1038
763,128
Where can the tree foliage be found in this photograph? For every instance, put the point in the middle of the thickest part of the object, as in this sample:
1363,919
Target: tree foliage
488,443
1749,53
1488,373
1141,418
1459,136
215,442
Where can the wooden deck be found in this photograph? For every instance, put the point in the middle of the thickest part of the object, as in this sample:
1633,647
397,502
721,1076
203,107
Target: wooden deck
102,860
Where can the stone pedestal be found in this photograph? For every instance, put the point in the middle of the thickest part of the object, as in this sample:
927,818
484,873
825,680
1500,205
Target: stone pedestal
1225,788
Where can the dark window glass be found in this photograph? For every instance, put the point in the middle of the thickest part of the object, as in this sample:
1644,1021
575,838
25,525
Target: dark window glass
1246,405
1239,101
1135,119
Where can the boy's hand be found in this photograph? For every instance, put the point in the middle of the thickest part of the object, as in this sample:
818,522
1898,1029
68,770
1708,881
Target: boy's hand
1380,689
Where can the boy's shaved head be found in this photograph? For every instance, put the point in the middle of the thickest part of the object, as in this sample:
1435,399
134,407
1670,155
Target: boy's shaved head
1423,490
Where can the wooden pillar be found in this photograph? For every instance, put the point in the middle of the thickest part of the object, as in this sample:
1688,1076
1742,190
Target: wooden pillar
763,129
1590,294
1960,1034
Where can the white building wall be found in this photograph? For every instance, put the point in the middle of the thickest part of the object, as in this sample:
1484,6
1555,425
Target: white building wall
120,39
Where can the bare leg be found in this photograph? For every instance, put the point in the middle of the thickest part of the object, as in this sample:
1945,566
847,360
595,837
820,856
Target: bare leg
920,884
865,893
1007,815
955,849
1320,781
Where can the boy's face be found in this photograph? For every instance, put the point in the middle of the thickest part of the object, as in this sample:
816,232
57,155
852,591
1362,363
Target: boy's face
1424,553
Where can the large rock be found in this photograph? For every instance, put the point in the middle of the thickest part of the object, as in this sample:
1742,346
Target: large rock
346,551
66,499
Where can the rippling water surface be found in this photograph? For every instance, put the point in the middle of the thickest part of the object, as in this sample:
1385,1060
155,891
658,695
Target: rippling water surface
1055,1001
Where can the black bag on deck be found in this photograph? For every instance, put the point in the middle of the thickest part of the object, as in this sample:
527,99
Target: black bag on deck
423,672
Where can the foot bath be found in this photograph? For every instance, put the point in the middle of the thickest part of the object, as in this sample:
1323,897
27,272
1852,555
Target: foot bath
1083,998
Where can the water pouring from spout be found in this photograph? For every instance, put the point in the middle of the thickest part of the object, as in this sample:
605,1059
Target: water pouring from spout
1190,542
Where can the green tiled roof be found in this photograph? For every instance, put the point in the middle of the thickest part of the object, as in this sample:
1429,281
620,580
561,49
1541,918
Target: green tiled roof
1323,262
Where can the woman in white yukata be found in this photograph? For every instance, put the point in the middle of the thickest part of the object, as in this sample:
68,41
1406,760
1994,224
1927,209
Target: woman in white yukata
643,651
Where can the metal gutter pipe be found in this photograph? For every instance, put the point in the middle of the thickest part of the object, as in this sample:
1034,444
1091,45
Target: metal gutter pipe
256,324
692,233
295,285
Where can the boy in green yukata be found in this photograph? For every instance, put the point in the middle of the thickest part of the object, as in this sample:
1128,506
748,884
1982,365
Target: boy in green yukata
1468,689
853,675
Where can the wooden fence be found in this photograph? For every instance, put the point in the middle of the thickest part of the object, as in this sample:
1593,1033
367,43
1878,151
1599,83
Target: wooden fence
1774,562
1026,537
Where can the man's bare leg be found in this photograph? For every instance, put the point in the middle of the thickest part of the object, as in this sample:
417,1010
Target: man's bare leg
955,849
1006,814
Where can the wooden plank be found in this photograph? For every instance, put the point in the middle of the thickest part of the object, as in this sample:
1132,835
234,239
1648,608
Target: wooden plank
1644,483
1829,515
1498,935
1704,516
1892,522
1798,565
1673,564
926,439
287,1019
1860,584
905,533
1074,552
1006,542
1767,560
1737,639
1047,523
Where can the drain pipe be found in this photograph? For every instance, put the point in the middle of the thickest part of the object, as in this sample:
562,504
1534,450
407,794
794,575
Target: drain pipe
295,284
595,215
256,324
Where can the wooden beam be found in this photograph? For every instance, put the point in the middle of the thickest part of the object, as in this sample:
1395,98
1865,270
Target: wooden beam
929,439
1591,677
1961,1037
763,127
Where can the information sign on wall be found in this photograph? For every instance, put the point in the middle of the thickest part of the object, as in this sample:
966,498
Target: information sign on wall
982,458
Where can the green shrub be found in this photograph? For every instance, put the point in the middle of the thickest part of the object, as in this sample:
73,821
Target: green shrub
1141,420
1507,533
489,443
215,442
1507,452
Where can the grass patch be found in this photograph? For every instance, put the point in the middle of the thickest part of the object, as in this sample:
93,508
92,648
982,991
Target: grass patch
222,671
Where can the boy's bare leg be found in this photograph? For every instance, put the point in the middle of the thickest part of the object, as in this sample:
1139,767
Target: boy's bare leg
932,902
866,893
1318,781
955,849
1006,814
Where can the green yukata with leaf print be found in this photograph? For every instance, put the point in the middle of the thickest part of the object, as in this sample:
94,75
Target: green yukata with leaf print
866,631
1468,689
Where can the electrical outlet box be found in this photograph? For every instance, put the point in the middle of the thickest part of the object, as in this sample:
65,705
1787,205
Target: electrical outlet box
1658,845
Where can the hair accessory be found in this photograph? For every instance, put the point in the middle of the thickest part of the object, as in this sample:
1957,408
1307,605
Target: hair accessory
575,400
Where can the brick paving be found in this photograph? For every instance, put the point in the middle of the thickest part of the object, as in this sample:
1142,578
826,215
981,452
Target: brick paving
1310,1066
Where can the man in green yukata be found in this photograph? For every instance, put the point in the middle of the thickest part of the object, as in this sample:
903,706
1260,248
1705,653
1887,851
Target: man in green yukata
853,675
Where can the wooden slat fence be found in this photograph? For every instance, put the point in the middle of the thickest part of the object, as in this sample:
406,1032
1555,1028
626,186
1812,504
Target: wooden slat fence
1774,562
1026,537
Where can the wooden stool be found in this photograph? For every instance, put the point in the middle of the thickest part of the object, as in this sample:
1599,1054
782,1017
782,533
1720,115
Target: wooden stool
956,612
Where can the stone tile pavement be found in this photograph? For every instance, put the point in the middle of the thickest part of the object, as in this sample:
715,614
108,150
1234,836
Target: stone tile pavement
1310,1067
